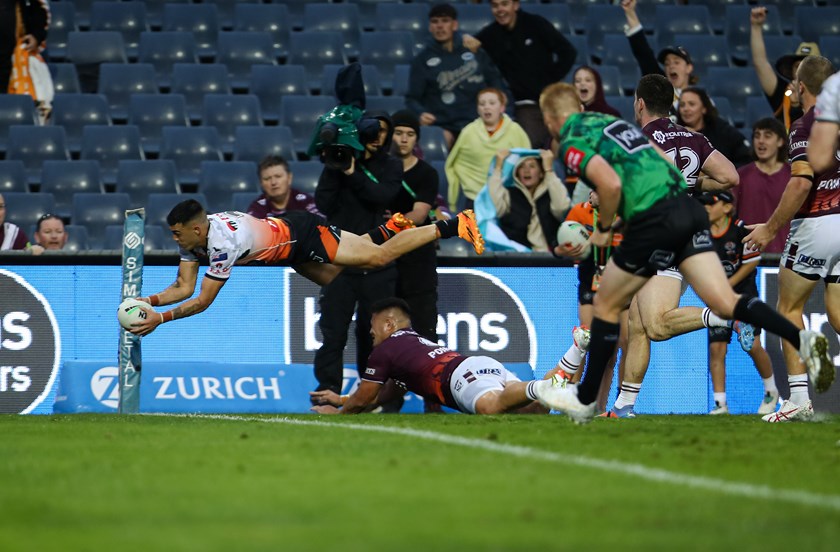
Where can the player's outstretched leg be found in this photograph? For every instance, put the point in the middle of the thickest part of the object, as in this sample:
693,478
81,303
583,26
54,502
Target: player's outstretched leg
465,227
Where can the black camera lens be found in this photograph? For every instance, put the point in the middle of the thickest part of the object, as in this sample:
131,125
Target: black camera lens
337,157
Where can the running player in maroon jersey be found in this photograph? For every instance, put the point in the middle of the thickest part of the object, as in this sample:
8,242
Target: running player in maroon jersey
471,384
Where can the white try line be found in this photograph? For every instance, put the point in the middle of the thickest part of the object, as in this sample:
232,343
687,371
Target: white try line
748,490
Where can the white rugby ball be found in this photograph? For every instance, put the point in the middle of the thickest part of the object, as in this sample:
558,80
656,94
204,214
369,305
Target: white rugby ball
573,234
130,312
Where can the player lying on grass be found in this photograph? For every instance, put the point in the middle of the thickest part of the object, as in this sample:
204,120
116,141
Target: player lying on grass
473,385
298,239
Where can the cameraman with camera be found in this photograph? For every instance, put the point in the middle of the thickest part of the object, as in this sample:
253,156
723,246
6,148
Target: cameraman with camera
353,192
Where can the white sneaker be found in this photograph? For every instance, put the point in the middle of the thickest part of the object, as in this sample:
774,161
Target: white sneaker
558,395
790,412
719,409
769,403
581,336
813,348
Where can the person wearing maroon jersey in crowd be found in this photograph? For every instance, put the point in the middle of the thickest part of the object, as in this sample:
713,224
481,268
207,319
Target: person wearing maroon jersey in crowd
278,194
11,235
763,181
654,311
811,202
470,384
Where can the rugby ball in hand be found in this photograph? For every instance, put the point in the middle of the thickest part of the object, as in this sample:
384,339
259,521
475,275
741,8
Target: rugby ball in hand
130,312
573,234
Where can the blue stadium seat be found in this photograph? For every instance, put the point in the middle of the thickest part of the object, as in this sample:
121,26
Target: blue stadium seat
385,50
109,145
735,83
433,144
472,17
202,20
341,18
300,114
118,81
159,205
368,10
388,104
402,75
305,175
152,112
737,29
601,20
624,105
96,211
787,10
724,108
82,8
65,78
163,49
138,179
77,238
413,18
227,11
94,47
813,22
241,200
239,50
226,112
706,51
24,208
15,109
313,50
671,20
617,52
611,80
13,177
369,74
578,10
296,8
221,179
779,45
188,147
757,108
253,143
35,144
830,48
63,179
717,12
154,238
193,81
127,18
271,18
154,11
75,111
583,56
62,22
271,82
558,15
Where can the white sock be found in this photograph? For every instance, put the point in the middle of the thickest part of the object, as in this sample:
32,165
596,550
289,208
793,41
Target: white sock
628,395
770,385
720,398
799,389
571,360
711,320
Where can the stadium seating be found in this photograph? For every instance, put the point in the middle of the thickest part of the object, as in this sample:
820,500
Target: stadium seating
736,84
671,20
65,78
617,52
813,22
402,74
201,20
118,81
368,10
35,144
388,104
578,10
611,80
194,80
271,18
154,238
433,144
313,50
163,49
370,75
253,143
601,20
472,17
75,111
63,179
341,18
241,200
94,47
138,179
77,238
757,108
159,205
385,50
188,147
737,29
127,18
239,50
226,112
109,145
152,112
558,15
15,109
413,18
82,8
300,113
219,180
787,10
830,48
62,21
154,11
24,208
583,56
706,51
270,83
305,175
624,105
96,211
13,177
777,46
227,10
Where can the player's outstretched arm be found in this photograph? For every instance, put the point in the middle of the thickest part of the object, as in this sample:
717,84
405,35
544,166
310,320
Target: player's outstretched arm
182,288
210,288
720,173
364,396
794,195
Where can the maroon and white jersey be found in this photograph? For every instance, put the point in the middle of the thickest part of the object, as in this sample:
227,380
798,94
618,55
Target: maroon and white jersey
687,149
415,363
824,197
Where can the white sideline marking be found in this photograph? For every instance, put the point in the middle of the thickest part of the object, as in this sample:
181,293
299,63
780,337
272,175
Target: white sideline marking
748,490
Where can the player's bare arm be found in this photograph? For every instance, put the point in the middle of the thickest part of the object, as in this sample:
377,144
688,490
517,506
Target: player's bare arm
608,185
182,288
364,396
718,174
794,195
210,288
822,145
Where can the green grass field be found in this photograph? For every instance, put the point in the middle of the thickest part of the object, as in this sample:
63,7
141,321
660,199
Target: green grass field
412,482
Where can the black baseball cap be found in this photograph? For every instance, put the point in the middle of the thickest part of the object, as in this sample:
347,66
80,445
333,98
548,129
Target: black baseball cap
710,198
443,10
678,51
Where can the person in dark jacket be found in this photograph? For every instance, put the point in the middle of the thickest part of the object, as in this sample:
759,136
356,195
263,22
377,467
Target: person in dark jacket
698,113
26,19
